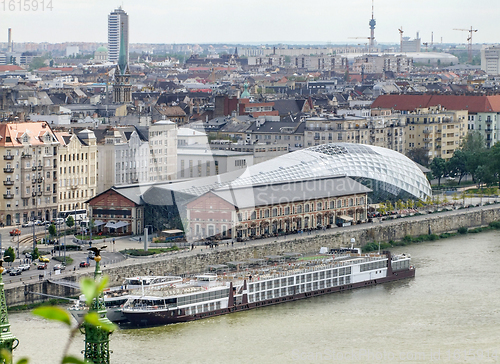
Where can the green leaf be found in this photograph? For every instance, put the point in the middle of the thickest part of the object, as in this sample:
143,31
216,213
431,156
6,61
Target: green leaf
5,355
102,284
89,289
53,313
22,361
93,318
73,360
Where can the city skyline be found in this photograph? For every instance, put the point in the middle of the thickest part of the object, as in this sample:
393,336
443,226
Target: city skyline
259,22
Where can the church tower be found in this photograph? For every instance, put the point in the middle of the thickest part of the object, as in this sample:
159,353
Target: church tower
122,87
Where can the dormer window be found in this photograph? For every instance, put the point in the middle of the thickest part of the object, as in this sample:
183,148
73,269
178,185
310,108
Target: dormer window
47,138
25,138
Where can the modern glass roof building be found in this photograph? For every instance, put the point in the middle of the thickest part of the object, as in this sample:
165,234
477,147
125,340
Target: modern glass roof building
389,174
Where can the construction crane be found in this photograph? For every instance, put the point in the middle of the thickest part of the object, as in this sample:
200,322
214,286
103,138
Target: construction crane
469,40
401,31
369,38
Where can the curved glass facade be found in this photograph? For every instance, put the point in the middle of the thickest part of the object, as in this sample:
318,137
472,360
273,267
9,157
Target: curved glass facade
390,174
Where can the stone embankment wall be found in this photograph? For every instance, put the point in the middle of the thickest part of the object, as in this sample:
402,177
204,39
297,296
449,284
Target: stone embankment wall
176,265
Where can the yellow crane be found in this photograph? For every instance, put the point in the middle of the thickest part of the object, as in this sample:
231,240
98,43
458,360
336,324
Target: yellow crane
469,40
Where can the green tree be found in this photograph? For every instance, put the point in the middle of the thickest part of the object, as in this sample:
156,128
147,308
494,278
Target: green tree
475,152
438,168
70,222
494,161
457,165
419,155
36,63
35,254
9,255
389,206
483,174
52,230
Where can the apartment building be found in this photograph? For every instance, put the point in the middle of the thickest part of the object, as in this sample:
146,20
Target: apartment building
490,60
29,173
203,162
162,151
435,129
77,169
487,123
123,158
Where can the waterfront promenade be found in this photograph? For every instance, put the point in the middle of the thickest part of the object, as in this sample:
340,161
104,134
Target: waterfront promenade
189,261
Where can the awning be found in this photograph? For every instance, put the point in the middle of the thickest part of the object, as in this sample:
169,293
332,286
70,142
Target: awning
116,225
346,218
121,224
173,231
98,223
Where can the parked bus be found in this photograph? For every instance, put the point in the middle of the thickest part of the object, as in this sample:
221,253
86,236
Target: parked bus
77,215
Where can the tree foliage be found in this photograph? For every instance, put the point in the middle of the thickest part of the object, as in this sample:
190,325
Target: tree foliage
438,168
9,255
70,222
419,155
52,230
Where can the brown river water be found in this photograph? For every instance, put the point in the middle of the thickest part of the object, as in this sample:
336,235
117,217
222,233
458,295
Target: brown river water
449,313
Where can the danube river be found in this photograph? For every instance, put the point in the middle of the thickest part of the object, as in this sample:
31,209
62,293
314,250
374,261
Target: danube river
449,313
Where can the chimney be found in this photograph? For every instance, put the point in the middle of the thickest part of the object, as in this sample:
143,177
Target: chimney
9,42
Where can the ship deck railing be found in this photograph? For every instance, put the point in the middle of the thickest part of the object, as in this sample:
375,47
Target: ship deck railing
299,268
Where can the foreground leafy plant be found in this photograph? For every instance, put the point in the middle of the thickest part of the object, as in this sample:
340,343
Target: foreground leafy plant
91,289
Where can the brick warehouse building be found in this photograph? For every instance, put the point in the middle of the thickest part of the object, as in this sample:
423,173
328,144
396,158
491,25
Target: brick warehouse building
118,211
283,207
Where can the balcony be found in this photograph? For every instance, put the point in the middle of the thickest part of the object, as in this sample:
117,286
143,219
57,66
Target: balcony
8,196
8,170
33,181
39,193
33,193
39,180
8,183
8,157
488,130
25,155
33,168
40,168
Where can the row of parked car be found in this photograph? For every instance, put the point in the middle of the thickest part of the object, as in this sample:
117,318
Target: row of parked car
15,271
57,221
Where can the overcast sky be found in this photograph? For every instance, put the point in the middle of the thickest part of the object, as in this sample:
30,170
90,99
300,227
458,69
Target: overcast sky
262,21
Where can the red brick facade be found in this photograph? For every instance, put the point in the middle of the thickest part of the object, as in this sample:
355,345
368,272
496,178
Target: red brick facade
111,206
210,215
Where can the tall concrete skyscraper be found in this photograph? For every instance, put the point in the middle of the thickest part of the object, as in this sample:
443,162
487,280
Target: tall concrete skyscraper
117,23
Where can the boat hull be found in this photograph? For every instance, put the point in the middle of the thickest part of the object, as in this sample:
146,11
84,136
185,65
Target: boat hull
166,317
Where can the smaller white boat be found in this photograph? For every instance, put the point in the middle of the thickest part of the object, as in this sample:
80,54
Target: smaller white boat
115,297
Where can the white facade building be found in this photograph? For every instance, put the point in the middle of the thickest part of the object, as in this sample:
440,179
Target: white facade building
117,21
162,151
490,60
123,159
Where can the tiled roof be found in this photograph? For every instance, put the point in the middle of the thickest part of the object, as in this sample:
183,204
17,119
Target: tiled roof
473,104
10,68
11,134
